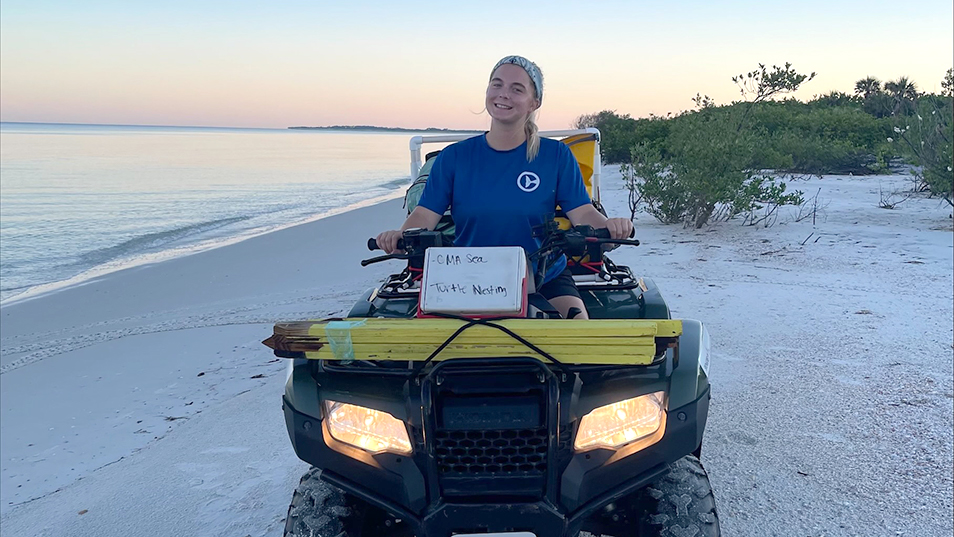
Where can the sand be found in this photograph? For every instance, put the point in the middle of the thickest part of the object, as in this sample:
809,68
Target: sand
142,403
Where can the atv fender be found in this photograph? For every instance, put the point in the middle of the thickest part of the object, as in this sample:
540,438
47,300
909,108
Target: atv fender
654,306
690,376
300,388
362,308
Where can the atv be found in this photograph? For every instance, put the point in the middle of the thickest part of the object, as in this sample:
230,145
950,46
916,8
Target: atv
424,415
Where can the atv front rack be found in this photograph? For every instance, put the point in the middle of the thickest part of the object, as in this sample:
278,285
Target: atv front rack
594,341
604,275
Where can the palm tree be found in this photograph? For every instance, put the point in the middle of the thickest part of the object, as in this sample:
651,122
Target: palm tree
867,86
902,88
904,91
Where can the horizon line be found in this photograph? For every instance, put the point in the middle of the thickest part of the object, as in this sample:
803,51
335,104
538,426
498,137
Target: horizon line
290,127
134,125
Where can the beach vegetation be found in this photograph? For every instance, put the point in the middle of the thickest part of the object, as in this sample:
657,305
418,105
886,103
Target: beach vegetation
925,138
947,85
722,161
618,132
711,171
711,163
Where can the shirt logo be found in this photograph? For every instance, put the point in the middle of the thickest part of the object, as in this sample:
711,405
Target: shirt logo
528,181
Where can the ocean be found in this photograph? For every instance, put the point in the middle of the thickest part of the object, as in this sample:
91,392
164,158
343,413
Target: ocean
78,201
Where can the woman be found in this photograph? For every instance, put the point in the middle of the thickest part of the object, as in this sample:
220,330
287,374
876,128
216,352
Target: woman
503,183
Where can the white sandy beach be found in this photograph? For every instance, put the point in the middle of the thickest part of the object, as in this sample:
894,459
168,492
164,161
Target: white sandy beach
142,403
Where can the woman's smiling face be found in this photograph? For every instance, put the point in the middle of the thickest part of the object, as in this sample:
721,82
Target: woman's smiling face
510,95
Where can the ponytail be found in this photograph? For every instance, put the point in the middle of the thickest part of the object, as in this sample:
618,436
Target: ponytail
533,139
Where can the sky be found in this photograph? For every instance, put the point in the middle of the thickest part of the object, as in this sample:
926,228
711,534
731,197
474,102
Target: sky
423,64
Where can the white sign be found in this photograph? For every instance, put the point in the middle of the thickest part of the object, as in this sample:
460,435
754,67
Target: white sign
487,280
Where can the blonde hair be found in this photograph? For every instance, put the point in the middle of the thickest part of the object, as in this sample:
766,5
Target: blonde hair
536,78
533,138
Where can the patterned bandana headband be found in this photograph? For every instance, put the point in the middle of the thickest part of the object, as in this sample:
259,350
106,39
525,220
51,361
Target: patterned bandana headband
531,68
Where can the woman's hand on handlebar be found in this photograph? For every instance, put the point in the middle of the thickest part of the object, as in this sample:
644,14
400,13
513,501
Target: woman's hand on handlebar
619,228
419,218
388,240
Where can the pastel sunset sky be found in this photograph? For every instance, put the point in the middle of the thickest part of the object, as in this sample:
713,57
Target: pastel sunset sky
419,64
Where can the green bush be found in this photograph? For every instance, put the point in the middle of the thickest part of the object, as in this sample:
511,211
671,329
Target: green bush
618,133
925,139
794,137
710,168
879,105
836,99
813,139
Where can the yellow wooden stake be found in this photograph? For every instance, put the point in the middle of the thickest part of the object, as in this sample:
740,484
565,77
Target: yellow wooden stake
596,341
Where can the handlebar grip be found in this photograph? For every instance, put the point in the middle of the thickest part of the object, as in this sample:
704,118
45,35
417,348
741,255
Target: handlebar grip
603,233
373,244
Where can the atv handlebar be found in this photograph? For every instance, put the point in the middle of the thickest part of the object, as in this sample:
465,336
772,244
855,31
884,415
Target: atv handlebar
574,241
600,233
373,244
603,235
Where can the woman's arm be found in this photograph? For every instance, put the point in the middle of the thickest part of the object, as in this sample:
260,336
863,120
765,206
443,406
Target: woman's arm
421,217
619,228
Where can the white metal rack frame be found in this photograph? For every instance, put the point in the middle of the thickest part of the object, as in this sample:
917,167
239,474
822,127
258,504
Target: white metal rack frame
418,141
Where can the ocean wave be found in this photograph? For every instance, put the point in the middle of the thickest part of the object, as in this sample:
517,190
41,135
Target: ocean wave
153,241
395,183
10,289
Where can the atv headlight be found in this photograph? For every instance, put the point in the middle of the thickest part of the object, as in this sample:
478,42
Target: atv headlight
613,426
366,428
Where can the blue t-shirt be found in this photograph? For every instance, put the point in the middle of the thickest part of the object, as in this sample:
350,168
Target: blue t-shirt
497,197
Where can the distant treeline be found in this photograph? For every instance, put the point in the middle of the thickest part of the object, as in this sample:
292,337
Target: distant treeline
688,167
381,129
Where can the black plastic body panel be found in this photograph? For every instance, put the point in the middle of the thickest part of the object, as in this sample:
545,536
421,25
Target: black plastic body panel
575,483
363,307
461,403
394,479
654,306
601,303
590,474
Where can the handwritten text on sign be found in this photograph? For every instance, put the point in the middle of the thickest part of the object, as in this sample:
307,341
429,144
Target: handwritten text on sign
473,280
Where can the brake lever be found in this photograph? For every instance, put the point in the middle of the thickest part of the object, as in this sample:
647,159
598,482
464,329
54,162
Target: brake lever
613,241
366,262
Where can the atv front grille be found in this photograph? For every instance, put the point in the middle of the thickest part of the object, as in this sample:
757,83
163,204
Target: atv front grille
518,452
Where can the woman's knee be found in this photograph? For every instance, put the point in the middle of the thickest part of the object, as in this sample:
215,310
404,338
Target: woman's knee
565,303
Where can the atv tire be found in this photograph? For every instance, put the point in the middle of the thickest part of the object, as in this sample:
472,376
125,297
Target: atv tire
317,509
679,503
